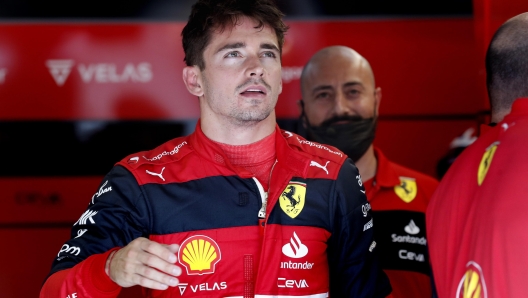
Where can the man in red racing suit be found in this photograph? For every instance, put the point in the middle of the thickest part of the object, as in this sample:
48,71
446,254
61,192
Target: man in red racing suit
236,209
183,193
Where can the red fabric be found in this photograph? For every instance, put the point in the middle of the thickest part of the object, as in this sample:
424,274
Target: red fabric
95,282
198,146
257,158
295,160
481,229
382,197
380,189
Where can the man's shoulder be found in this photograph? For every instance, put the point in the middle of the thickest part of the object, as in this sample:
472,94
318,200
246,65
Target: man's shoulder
392,170
420,177
168,152
313,149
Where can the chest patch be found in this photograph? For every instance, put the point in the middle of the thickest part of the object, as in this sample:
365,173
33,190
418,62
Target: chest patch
199,255
407,189
293,198
485,163
472,283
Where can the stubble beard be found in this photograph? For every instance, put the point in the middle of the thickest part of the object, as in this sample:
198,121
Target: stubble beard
252,115
258,110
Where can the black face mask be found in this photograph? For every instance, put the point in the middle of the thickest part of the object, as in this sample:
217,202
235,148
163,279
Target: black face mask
353,137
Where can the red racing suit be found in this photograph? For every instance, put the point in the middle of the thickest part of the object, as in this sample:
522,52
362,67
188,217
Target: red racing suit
477,220
399,197
316,238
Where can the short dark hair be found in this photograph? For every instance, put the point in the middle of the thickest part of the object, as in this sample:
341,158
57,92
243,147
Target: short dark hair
209,15
507,64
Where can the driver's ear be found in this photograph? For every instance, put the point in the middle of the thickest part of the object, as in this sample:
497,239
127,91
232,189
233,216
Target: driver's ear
192,78
377,99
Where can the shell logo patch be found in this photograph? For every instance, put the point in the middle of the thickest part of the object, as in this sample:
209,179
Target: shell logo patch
407,189
485,163
472,284
199,254
292,198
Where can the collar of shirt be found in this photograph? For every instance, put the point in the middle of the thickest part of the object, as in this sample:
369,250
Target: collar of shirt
296,162
385,174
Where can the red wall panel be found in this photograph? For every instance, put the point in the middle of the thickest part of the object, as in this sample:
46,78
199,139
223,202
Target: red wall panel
133,71
37,201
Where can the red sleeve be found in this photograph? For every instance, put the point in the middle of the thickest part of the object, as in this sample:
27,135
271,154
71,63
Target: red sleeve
86,279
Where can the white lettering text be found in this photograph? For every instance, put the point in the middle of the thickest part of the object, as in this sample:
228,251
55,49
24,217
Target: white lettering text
409,239
409,255
174,151
293,265
207,287
289,283
318,146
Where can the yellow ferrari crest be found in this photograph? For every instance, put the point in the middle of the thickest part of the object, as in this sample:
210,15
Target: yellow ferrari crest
292,198
485,163
407,189
472,283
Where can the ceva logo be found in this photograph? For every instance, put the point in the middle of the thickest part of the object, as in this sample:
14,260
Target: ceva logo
60,70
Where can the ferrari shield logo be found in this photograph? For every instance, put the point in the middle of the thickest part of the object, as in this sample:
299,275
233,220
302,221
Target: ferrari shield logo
292,198
407,189
472,283
485,163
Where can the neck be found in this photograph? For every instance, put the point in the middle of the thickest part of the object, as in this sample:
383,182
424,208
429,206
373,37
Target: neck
367,164
498,116
234,132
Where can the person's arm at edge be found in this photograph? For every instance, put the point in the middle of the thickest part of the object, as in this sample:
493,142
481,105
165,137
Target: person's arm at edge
354,267
90,272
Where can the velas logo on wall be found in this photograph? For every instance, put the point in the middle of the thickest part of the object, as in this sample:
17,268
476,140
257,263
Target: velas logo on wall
3,73
60,70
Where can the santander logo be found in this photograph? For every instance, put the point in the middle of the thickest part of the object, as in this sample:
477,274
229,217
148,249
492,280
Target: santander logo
295,249
412,228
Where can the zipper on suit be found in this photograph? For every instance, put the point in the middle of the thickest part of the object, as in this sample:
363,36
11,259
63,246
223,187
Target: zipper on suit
264,194
263,197
249,274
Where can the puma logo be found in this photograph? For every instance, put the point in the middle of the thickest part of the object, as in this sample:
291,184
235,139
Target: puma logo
156,174
316,164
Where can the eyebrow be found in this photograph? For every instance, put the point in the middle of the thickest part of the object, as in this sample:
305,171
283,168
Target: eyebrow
353,83
322,88
329,87
238,45
229,46
269,46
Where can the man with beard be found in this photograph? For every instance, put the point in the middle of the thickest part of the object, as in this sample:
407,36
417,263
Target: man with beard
339,107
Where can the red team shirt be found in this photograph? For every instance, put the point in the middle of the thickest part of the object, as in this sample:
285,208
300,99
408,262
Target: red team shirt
477,219
399,197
